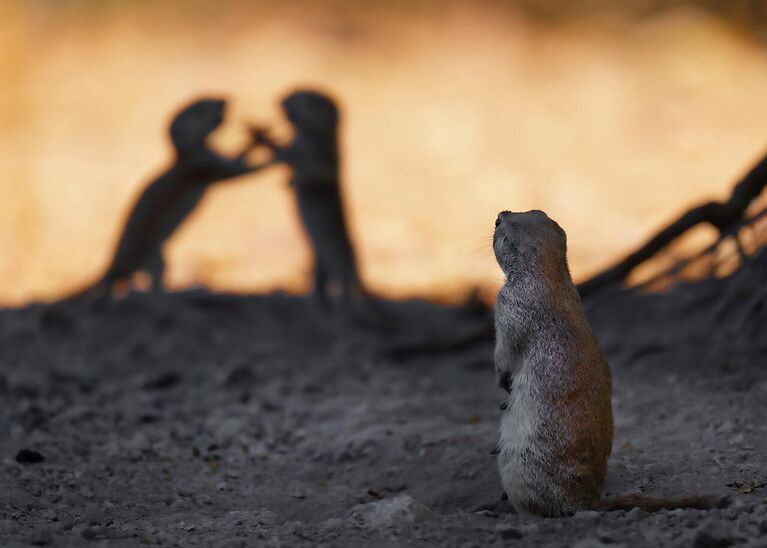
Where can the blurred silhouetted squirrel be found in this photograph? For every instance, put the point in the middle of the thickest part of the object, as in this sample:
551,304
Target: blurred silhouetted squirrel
167,200
314,158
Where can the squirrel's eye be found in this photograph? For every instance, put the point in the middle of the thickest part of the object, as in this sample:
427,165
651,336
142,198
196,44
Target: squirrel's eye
497,221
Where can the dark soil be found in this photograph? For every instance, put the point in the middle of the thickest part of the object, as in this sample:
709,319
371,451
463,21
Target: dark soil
214,420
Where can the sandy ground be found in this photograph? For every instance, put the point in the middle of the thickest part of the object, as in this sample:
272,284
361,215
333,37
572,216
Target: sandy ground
215,420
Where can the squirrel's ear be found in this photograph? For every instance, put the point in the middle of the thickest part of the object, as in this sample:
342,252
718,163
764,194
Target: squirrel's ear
562,235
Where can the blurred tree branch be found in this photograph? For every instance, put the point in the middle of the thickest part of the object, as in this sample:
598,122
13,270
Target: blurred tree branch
721,215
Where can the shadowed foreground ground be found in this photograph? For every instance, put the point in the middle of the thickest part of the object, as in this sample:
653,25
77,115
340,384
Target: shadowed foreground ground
232,421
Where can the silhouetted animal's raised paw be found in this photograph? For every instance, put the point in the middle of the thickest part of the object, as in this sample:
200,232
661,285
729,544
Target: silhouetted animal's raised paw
260,136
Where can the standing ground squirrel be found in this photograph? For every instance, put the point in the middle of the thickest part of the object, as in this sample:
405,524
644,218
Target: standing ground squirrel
557,430
313,157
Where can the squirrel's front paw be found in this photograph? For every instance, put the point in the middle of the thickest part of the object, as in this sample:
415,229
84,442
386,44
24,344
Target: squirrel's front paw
505,380
260,135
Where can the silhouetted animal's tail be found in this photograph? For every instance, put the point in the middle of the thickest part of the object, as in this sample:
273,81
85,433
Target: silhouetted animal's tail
97,292
62,314
364,309
653,504
93,291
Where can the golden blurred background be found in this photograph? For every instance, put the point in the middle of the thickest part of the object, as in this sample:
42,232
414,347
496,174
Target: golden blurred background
609,120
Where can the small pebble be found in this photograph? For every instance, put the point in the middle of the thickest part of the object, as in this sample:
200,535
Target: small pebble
587,514
41,536
27,456
507,532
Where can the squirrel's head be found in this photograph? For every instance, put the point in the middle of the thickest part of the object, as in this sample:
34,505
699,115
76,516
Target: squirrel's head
529,242
195,122
311,110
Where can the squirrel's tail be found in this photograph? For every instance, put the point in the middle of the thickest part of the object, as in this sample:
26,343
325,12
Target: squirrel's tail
62,314
654,504
94,292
